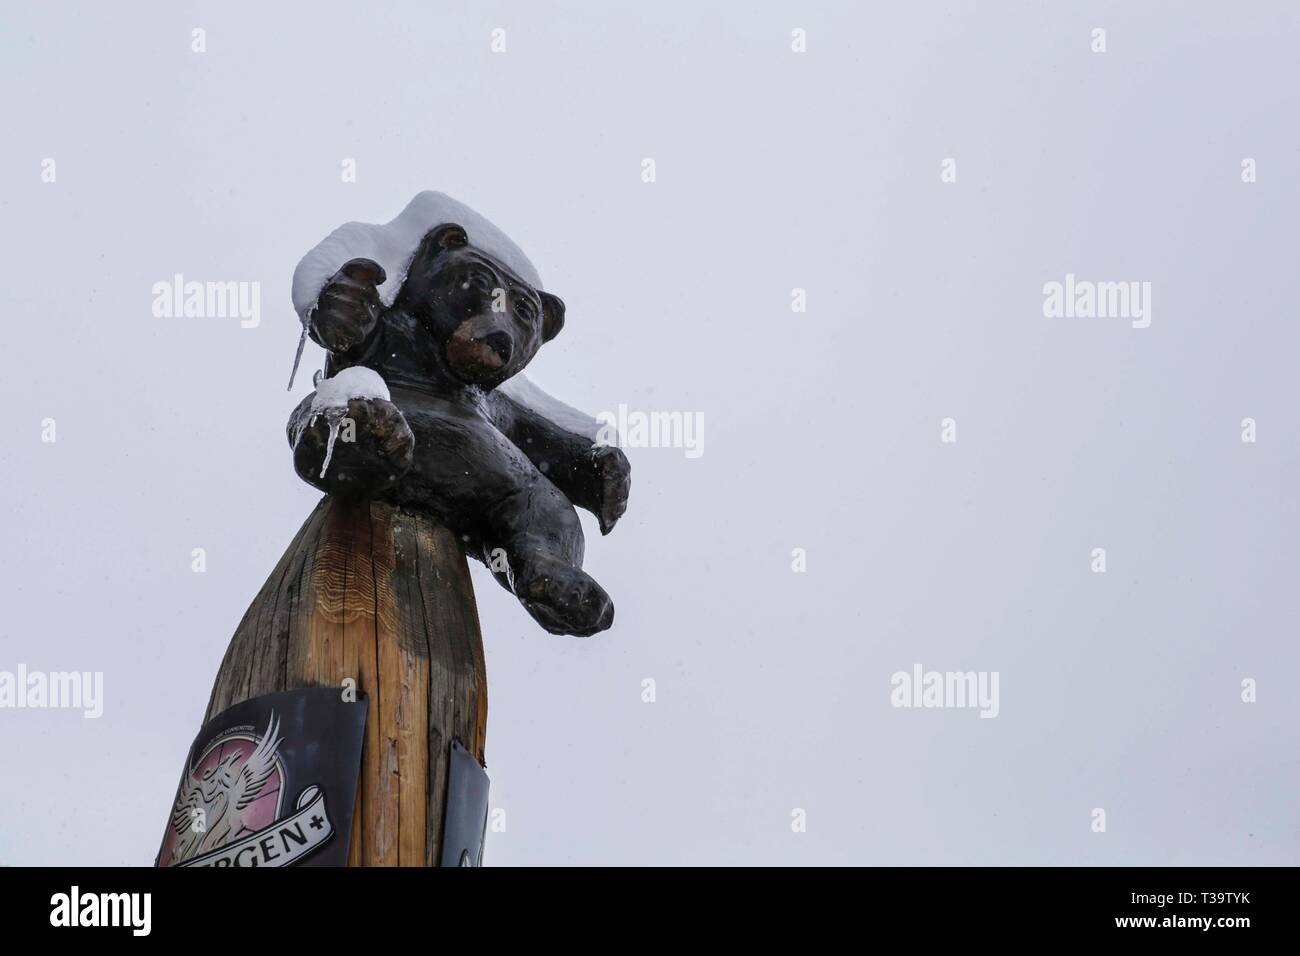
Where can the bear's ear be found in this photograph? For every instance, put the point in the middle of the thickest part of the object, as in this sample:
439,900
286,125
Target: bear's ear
552,315
449,235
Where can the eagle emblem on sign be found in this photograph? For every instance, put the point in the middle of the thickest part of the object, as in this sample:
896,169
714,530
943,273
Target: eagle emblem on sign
234,789
235,805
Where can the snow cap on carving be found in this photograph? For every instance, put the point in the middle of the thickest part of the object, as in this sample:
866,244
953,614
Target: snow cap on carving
393,244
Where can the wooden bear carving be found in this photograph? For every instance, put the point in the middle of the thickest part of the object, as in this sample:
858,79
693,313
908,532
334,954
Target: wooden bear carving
427,322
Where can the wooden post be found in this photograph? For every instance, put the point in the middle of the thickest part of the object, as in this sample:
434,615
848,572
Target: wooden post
381,595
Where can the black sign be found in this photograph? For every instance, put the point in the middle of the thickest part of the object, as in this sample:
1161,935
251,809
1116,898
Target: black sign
270,782
467,810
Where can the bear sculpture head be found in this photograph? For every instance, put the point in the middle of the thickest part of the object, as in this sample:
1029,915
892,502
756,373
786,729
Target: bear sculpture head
486,322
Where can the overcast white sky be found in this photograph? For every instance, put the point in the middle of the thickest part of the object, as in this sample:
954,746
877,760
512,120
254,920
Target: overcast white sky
775,170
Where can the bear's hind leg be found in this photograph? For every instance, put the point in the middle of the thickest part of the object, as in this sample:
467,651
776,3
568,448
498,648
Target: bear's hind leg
542,540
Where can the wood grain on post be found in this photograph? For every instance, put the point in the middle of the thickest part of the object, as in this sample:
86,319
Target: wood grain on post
381,595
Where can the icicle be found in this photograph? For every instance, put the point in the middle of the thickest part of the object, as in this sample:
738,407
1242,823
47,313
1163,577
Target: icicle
302,340
304,423
335,418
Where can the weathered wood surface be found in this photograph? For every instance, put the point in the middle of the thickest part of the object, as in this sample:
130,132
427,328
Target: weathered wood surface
381,595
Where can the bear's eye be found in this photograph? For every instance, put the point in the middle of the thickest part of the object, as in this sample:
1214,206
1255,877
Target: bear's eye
525,307
476,278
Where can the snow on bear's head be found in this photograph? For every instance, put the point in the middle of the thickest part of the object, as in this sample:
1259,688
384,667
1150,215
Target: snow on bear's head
393,245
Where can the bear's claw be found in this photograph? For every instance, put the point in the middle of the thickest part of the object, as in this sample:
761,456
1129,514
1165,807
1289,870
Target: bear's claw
615,473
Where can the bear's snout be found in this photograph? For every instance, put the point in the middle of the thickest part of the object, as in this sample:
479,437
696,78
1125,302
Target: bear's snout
501,344
476,354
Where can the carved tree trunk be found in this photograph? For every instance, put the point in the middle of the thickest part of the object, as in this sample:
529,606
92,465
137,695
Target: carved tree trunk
382,595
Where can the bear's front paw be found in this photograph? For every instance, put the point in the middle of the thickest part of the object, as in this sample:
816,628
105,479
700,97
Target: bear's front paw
564,599
348,305
364,449
614,480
